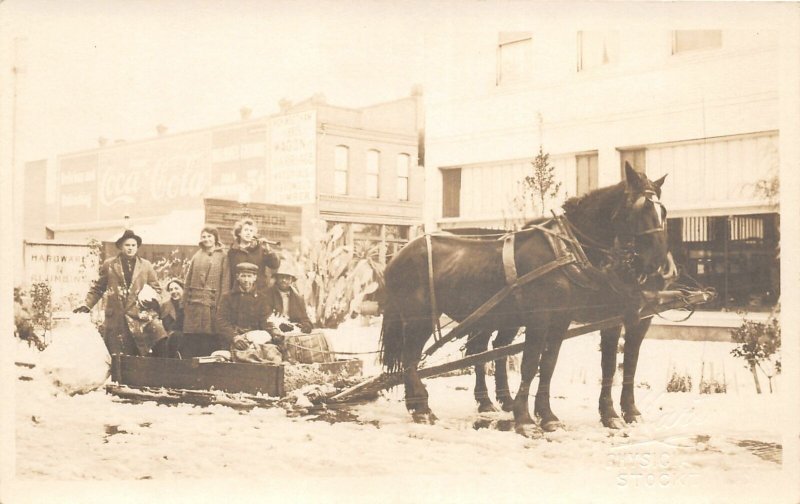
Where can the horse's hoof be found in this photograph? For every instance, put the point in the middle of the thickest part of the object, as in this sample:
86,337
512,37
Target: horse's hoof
424,418
613,422
487,407
552,425
507,405
633,418
529,430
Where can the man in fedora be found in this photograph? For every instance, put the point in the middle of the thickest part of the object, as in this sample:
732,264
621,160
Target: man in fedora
130,326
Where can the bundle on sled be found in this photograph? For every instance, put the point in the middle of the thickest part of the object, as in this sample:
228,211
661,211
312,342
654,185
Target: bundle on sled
259,375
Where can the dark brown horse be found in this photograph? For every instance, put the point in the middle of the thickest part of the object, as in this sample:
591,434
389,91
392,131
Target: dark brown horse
621,228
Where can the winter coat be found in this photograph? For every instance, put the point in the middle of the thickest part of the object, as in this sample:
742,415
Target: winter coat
297,306
239,312
172,317
204,283
257,254
122,312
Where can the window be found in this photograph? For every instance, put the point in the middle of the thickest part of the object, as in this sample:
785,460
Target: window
736,255
373,171
340,169
451,192
695,40
586,174
403,163
596,48
514,57
635,157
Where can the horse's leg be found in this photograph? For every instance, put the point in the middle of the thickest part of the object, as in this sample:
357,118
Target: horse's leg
633,341
416,334
535,337
609,339
549,421
478,342
502,392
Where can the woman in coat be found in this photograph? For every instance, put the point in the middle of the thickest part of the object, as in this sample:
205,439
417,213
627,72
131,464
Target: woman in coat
247,248
204,282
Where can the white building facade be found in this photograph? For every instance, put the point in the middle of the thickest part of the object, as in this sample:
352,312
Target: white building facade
702,106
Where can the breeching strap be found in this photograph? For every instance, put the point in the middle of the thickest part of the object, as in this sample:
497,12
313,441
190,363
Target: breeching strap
437,328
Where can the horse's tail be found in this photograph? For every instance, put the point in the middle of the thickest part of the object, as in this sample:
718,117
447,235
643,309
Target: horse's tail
392,336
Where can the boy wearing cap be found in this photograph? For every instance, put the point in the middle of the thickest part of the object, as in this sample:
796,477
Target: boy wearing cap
127,328
244,309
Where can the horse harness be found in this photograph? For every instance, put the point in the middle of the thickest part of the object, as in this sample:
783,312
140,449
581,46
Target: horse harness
569,257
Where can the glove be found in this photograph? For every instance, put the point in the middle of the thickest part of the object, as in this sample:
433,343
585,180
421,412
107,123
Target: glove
81,309
283,326
306,327
240,343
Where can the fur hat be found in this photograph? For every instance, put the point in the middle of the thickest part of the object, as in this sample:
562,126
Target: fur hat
126,235
172,281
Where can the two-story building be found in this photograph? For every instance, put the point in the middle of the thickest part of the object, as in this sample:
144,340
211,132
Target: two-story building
702,106
311,161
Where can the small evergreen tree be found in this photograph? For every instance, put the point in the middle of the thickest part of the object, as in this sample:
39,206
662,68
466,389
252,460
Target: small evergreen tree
542,184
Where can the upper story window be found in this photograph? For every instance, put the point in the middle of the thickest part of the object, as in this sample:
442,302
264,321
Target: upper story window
597,48
451,192
695,40
373,171
514,57
340,169
403,163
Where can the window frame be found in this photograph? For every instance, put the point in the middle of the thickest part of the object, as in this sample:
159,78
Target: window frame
341,174
403,179
693,50
507,40
610,40
451,196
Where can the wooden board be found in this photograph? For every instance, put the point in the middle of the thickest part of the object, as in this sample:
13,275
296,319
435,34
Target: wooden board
190,374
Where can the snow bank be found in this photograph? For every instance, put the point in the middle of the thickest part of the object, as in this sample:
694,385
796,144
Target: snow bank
76,361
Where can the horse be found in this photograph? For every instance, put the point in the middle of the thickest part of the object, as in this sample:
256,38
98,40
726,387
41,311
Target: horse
620,226
609,341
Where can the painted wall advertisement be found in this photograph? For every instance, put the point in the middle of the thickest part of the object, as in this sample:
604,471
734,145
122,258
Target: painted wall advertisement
153,178
69,269
77,195
293,158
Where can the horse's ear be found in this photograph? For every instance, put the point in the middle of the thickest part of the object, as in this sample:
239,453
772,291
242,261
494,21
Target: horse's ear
658,183
632,178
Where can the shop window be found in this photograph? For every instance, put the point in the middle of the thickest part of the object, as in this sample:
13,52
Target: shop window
586,174
373,173
514,57
340,169
596,48
635,157
736,255
403,163
695,40
451,192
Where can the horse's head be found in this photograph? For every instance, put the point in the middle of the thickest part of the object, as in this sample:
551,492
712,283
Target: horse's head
640,224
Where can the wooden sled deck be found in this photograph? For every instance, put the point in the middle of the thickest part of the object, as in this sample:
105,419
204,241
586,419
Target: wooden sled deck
246,385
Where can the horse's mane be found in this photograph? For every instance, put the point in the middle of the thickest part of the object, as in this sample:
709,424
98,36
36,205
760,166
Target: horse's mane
599,202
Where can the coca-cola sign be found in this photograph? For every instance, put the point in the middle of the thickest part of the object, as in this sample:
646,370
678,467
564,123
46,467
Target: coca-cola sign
150,180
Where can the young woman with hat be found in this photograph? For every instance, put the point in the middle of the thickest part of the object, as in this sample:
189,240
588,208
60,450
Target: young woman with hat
126,330
248,248
204,282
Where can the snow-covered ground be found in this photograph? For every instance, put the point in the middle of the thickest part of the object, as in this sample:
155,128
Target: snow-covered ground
720,447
